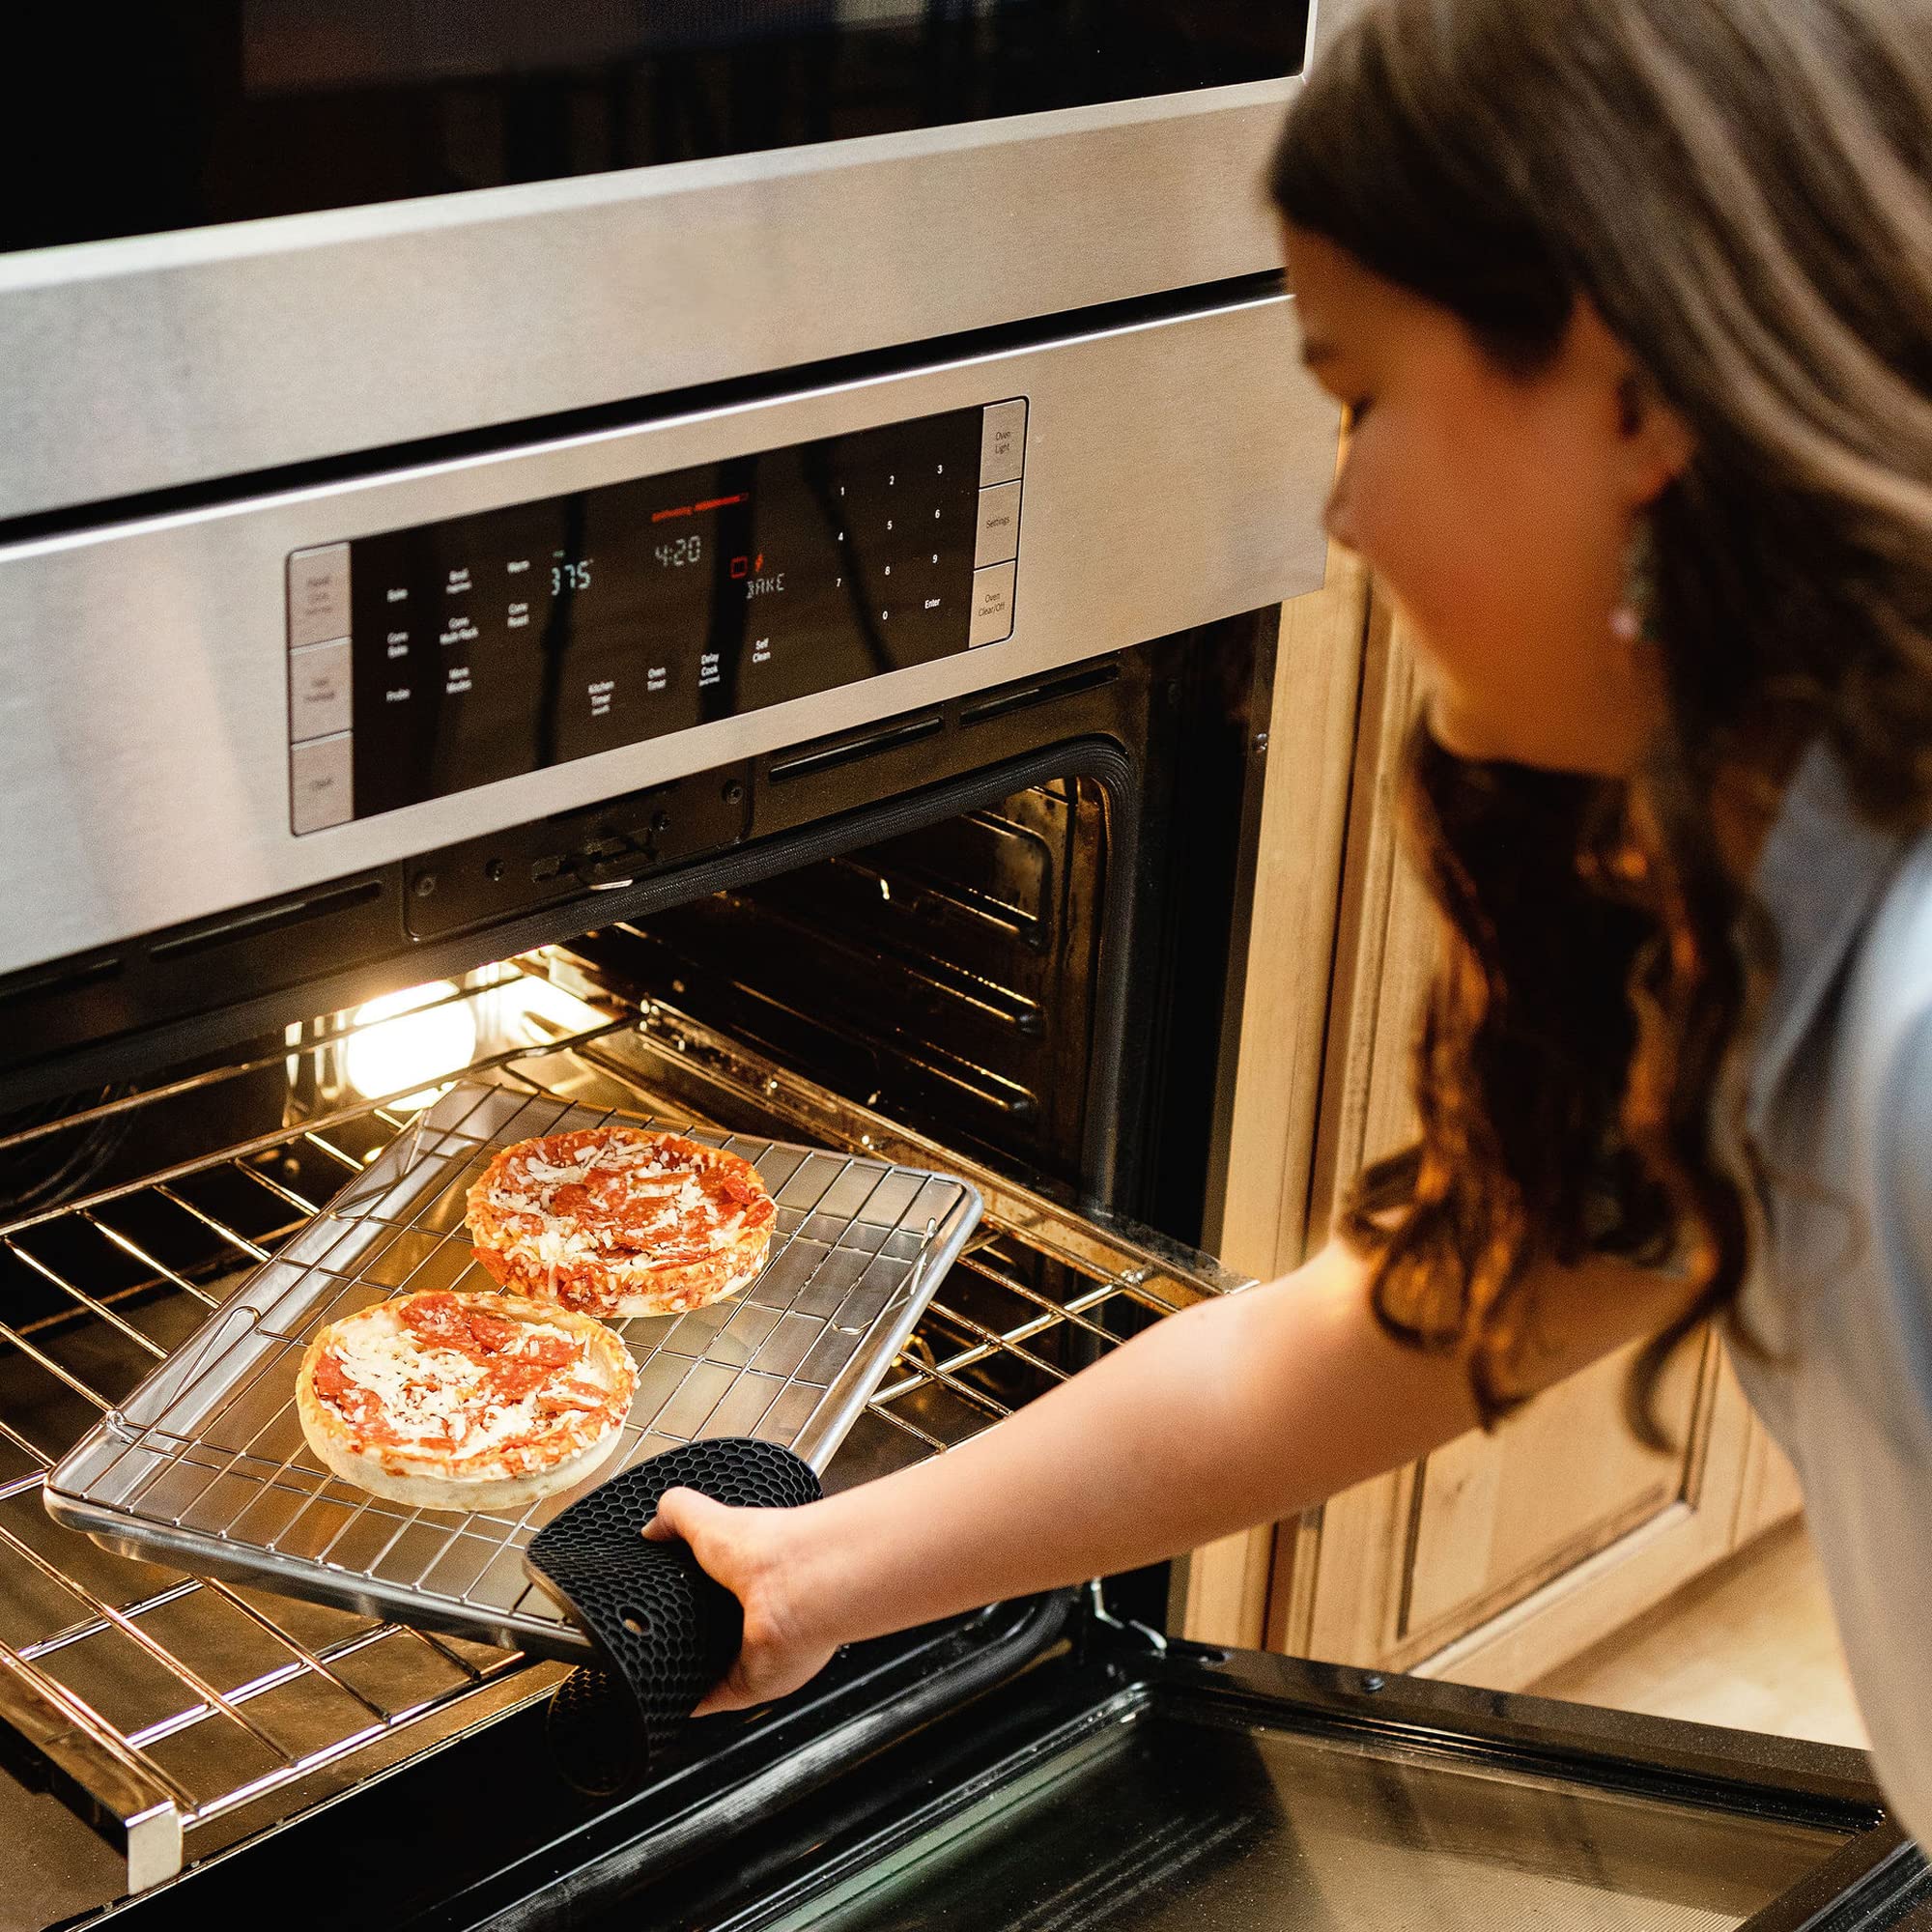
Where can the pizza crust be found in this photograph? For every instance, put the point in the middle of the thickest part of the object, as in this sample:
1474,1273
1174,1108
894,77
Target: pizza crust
519,1457
620,1221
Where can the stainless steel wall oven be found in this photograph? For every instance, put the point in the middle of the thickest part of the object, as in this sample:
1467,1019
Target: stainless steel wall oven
723,561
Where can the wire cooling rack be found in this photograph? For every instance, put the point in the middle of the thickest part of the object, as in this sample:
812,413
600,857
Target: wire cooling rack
204,1464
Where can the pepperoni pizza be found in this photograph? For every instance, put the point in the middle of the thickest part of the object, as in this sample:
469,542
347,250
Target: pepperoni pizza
620,1220
464,1401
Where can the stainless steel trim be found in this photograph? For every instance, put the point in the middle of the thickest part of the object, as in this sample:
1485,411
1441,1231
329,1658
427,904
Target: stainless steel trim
143,670
133,1803
1328,18
141,365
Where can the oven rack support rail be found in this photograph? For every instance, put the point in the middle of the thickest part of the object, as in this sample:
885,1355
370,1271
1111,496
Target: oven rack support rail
205,1756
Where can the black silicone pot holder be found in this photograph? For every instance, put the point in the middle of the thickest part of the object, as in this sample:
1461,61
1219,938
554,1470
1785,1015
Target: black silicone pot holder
663,1630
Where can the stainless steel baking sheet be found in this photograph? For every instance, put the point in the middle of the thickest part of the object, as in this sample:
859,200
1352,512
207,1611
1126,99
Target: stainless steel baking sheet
205,1465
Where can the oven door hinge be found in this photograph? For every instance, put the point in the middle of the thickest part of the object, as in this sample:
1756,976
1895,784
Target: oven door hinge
1097,1604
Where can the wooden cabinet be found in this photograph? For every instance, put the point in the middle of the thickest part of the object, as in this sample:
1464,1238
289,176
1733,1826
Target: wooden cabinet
1504,1554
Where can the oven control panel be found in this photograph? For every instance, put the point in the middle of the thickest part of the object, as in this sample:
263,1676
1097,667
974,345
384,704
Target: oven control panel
427,660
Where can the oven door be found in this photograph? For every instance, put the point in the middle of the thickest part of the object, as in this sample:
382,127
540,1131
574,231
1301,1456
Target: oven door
276,231
1132,1786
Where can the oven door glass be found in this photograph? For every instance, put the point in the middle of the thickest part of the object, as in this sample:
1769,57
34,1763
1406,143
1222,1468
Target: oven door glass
1161,1820
189,113
1216,1791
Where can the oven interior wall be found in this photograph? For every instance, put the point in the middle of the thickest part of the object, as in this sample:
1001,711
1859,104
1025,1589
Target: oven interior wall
960,978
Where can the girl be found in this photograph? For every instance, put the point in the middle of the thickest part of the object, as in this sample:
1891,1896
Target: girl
1630,302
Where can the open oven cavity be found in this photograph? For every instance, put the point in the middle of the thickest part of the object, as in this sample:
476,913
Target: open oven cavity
955,994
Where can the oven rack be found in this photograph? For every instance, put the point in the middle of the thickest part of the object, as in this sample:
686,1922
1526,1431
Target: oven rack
206,1463
180,1714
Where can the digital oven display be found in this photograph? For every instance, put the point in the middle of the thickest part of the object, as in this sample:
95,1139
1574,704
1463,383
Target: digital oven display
427,660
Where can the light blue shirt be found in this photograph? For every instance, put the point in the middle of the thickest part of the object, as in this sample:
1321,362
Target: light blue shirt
1838,1100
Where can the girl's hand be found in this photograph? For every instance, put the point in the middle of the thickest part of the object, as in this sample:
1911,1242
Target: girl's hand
747,1550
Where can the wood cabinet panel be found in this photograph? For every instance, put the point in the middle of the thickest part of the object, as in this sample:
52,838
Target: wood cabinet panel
1506,1552
1497,1515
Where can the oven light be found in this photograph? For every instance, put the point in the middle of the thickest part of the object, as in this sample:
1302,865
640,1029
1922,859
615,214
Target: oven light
397,1043
533,998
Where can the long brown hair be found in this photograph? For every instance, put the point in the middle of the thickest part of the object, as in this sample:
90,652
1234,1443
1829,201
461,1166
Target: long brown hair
1740,187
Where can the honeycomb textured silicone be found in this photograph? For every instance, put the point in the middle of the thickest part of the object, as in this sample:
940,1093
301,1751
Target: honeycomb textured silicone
666,1632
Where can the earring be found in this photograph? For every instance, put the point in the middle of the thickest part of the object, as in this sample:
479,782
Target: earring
1630,621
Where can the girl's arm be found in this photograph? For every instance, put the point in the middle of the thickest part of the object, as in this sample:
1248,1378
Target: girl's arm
1234,1412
